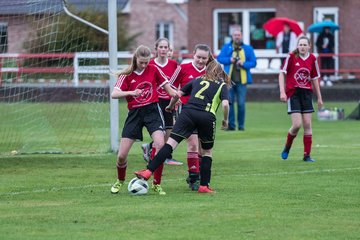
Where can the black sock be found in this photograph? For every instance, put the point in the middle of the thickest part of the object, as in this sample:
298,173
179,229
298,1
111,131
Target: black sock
205,170
160,157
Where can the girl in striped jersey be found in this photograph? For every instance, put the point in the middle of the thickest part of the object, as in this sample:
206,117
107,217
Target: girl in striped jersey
138,84
185,73
206,94
297,80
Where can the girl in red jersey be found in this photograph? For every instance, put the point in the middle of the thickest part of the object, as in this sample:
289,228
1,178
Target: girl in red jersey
138,84
297,80
184,74
168,67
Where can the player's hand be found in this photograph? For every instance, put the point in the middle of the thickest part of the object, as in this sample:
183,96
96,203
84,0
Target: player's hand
224,124
283,97
168,109
136,92
320,104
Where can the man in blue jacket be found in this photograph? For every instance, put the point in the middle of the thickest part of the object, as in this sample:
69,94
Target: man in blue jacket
237,58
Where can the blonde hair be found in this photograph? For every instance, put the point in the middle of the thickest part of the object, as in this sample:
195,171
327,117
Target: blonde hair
215,72
140,52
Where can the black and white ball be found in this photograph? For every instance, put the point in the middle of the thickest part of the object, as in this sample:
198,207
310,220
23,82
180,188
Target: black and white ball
138,186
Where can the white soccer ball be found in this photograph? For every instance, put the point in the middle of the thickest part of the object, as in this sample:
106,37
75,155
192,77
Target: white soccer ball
138,186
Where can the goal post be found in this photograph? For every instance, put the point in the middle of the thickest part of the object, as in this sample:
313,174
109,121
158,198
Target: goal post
41,111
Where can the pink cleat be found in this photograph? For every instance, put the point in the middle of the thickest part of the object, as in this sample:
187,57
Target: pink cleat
205,189
143,174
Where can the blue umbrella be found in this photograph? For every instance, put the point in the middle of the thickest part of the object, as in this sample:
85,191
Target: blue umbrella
319,26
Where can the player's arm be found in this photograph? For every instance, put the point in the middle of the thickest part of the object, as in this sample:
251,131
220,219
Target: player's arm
174,100
283,97
316,87
118,93
172,92
225,107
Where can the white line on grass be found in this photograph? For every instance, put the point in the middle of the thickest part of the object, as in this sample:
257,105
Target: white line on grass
56,189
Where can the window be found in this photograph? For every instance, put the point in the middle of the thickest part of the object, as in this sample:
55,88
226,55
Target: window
250,20
165,29
3,38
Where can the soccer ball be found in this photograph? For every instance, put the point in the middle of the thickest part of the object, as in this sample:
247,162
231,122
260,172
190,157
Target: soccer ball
138,186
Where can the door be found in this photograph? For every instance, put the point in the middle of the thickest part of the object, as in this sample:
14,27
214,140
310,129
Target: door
323,14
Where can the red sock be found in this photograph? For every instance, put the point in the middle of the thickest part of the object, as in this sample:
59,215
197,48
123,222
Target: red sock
307,144
289,140
152,153
121,170
158,174
193,162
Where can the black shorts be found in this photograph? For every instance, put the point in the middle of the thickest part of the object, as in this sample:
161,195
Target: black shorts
189,120
168,116
301,101
177,113
149,116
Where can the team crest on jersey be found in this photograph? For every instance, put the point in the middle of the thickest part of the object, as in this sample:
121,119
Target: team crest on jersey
147,92
302,76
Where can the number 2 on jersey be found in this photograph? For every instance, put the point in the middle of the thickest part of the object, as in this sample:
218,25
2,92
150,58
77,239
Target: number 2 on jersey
198,94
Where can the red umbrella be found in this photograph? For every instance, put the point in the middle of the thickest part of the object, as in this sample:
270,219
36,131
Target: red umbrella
276,25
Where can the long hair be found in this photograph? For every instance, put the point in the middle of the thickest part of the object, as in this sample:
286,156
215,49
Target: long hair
140,52
296,51
215,72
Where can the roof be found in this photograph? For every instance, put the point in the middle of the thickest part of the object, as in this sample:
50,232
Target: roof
8,7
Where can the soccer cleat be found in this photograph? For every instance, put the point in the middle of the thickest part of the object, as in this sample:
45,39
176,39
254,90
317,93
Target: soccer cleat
285,153
308,159
205,189
146,151
117,186
170,161
143,174
194,186
158,189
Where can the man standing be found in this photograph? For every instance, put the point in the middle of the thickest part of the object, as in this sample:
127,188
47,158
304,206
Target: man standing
237,58
325,44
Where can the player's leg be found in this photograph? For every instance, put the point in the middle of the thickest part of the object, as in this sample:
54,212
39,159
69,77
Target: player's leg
193,162
308,109
294,109
241,100
121,163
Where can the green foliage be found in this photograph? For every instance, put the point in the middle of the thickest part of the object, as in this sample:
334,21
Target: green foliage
61,33
259,196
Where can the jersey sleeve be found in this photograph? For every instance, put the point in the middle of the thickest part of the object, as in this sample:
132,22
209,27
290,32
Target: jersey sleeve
160,77
121,83
287,64
176,77
224,94
315,71
187,88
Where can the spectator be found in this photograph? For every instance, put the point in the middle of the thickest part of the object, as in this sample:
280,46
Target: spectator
286,40
325,44
237,58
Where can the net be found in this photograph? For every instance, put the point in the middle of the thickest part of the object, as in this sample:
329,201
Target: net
42,108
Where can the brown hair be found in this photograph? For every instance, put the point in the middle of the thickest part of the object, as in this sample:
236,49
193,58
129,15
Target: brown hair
141,51
215,72
296,51
157,42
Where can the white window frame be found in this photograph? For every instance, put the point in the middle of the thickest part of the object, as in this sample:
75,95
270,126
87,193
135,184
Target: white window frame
245,26
162,30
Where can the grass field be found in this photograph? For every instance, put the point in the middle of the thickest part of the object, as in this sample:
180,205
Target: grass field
259,196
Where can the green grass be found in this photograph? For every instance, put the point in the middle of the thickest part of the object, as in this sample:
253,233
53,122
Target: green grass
259,196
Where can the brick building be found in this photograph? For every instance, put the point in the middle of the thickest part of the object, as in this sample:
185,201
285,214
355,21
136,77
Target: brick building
210,20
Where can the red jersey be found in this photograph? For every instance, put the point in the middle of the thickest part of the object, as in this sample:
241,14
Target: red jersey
148,80
184,74
168,69
299,72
